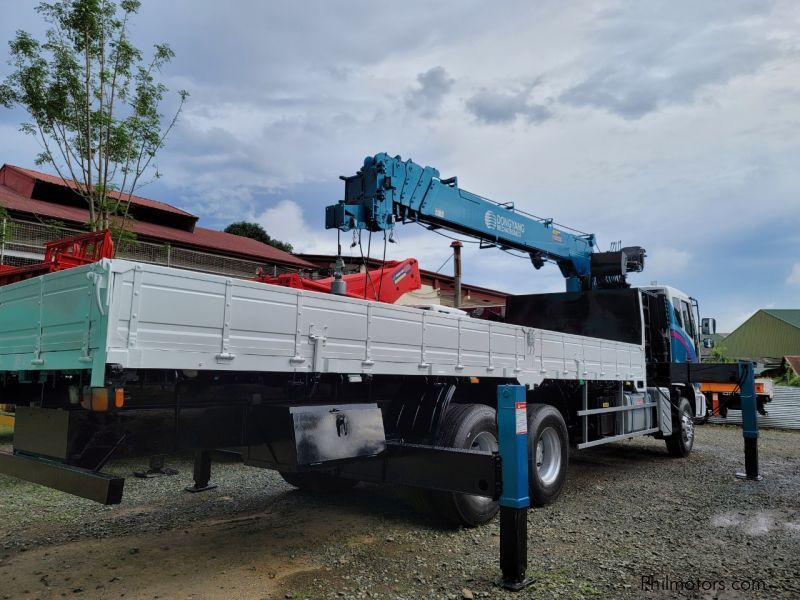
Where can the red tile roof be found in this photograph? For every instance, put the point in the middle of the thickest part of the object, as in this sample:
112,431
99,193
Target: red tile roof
200,239
794,361
136,200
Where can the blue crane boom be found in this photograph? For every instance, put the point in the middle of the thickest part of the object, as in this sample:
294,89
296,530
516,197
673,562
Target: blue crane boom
388,190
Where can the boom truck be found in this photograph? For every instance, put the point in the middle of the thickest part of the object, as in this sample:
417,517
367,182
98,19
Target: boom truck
119,358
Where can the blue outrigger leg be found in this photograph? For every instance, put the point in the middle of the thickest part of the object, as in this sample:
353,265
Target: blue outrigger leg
747,395
512,429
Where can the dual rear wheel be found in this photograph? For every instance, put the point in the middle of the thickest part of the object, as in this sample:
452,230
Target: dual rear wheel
473,426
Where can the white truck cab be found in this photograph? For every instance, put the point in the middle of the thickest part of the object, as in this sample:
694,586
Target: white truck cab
684,320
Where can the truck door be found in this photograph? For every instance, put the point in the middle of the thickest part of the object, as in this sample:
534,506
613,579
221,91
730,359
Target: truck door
683,331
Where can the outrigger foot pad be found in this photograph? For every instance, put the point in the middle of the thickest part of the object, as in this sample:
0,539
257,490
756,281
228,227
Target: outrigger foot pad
195,488
515,586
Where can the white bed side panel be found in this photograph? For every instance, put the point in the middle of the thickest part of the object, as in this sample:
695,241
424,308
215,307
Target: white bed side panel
171,318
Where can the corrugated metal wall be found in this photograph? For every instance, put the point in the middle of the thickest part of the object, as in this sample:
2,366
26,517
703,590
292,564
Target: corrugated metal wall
784,411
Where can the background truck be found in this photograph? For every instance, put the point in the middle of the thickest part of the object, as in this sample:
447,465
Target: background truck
722,397
116,358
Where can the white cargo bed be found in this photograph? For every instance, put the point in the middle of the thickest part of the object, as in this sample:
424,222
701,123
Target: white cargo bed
145,316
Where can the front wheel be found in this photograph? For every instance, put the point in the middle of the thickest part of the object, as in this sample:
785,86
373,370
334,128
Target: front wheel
548,453
680,443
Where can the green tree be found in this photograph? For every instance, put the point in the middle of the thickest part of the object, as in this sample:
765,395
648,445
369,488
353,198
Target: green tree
93,102
719,354
788,377
254,231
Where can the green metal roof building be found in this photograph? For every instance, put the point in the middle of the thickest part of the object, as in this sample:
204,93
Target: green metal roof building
770,333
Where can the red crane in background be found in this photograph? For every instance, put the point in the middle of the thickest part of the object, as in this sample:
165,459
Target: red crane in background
66,253
385,284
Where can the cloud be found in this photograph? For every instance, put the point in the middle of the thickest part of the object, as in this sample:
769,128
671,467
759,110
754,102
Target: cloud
24,148
794,275
426,99
666,261
501,107
285,221
659,116
654,55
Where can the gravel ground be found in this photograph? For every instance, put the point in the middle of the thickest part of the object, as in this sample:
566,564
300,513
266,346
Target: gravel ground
628,512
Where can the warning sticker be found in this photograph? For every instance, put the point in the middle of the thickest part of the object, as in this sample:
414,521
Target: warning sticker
521,415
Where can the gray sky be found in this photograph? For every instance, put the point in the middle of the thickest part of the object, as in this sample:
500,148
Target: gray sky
671,125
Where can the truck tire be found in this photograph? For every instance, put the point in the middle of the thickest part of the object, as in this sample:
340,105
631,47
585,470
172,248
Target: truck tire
471,426
680,443
318,481
548,453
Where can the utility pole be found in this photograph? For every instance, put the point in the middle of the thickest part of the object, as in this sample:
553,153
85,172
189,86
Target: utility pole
456,246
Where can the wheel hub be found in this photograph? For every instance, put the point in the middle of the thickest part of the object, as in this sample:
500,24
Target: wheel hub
687,426
548,455
486,442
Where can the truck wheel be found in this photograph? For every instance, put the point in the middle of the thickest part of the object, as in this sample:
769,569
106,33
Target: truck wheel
316,481
548,453
680,443
470,426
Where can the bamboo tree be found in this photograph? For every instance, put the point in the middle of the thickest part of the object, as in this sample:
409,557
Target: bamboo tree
93,101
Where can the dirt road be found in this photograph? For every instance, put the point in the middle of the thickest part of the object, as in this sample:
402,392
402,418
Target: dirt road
628,512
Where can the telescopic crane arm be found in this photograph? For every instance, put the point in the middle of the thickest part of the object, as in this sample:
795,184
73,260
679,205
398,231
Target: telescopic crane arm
388,190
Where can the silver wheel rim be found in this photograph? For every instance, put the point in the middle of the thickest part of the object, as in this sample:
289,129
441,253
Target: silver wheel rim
548,455
687,427
486,442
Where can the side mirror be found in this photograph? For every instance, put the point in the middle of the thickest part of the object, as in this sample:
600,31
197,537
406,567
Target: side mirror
708,343
708,327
